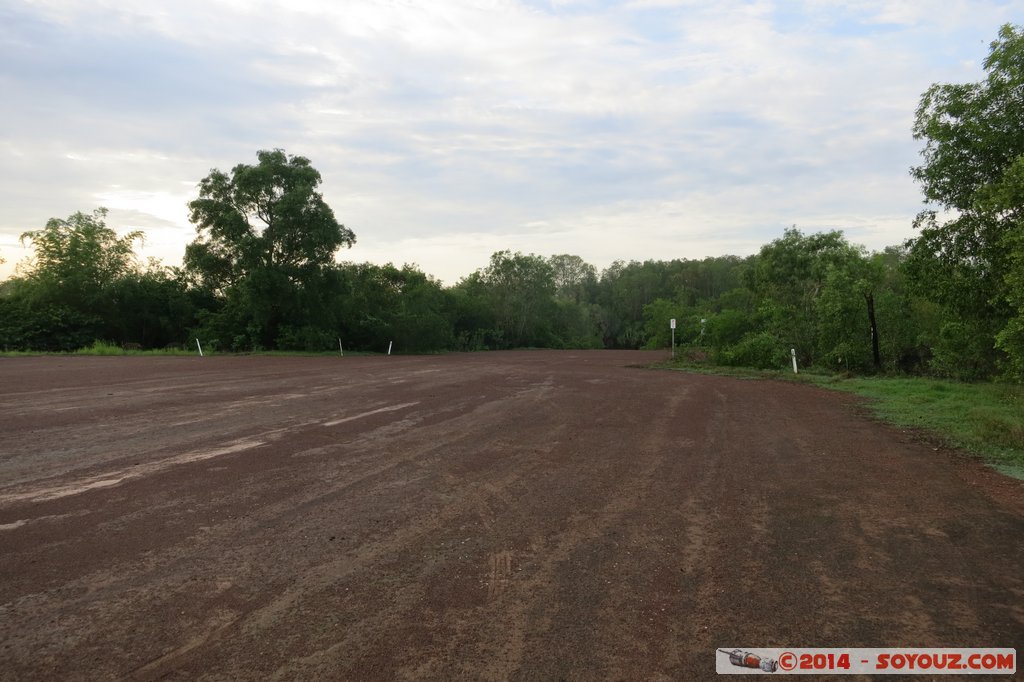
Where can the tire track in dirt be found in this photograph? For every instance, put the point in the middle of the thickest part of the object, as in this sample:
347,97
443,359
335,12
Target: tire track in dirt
322,576
154,568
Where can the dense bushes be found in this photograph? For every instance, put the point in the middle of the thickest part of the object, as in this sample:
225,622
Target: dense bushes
807,292
813,293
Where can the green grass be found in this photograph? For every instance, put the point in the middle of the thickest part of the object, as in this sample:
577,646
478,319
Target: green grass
985,419
104,348
98,348
101,348
317,353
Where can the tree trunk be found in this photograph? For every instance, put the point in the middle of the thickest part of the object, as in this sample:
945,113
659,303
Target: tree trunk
876,356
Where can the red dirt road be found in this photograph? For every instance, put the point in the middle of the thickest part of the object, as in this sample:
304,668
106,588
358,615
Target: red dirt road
525,515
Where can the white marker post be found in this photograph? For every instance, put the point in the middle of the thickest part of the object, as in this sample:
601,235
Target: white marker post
200,347
340,349
672,326
793,353
389,347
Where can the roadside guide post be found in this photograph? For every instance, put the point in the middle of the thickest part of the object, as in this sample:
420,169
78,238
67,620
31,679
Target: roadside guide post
793,353
672,326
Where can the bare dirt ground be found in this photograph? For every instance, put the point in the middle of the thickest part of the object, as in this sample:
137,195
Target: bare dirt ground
525,515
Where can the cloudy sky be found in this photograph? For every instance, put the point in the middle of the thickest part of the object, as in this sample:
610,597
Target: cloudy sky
450,129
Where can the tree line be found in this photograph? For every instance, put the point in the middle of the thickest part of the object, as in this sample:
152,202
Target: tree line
263,273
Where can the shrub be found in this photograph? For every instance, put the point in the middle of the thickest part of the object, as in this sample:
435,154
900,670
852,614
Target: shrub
761,351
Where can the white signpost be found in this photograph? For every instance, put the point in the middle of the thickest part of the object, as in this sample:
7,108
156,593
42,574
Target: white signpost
672,326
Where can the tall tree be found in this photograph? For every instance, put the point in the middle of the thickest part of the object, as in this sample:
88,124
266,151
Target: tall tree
67,296
808,287
269,216
574,277
77,259
265,234
625,288
973,166
521,290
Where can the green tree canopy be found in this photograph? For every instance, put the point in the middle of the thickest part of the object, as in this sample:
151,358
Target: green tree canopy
809,288
266,241
973,166
265,217
973,131
78,258
520,291
573,277
84,283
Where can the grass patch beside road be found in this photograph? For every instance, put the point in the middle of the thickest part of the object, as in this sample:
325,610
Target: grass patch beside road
103,348
985,419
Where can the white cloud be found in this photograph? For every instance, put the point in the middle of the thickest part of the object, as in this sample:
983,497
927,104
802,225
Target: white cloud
443,130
